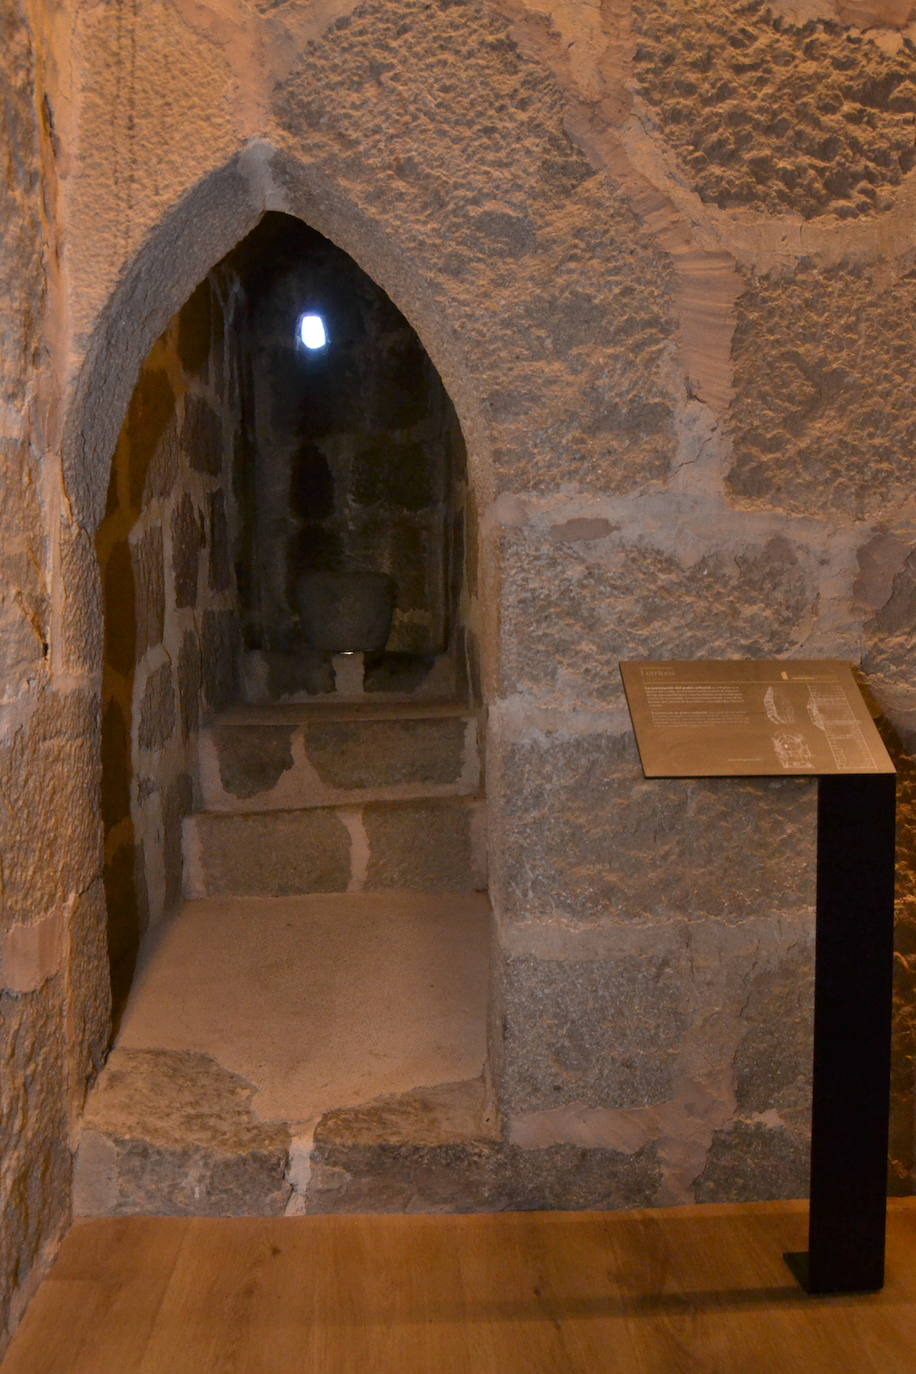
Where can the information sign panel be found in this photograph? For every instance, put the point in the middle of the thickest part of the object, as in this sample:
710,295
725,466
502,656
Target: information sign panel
751,717
807,718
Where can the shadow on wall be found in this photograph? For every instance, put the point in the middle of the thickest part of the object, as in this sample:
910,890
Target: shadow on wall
171,624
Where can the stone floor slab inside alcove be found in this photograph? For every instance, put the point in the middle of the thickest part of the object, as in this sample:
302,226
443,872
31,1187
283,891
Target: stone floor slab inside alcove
253,1019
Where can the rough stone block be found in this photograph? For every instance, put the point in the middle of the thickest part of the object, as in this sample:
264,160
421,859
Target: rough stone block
268,854
753,1162
202,436
567,1178
436,1150
773,1062
587,838
82,627
149,575
426,845
252,758
891,651
37,1160
394,1177
817,423
384,753
51,852
220,654
187,541
89,991
157,709
572,611
170,1133
601,1032
730,88
190,683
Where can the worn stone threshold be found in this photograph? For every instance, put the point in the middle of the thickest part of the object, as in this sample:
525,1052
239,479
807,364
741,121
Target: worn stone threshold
268,1041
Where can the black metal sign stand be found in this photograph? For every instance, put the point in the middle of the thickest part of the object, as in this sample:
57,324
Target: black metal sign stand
733,718
854,951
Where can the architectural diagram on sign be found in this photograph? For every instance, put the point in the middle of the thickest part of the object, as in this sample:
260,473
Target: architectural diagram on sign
778,705
792,750
830,711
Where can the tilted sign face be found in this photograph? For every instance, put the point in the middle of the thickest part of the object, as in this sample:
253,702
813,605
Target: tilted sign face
756,717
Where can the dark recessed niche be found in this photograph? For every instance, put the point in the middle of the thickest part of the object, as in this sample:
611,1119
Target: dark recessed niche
353,453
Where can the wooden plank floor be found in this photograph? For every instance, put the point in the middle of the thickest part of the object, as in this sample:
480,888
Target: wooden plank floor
699,1289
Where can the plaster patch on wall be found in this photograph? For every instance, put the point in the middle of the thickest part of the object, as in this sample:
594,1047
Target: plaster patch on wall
30,954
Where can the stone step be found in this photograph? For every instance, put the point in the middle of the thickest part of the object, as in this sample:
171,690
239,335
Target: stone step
432,844
292,757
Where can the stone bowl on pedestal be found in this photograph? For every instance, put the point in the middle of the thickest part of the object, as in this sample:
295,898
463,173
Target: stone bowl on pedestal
346,612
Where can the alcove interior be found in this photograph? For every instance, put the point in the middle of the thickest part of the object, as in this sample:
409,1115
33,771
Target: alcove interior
295,834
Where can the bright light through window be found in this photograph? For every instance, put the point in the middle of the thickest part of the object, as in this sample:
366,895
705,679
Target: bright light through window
312,331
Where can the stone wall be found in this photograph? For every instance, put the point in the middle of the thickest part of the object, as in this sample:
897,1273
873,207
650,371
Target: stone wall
53,982
682,359
172,641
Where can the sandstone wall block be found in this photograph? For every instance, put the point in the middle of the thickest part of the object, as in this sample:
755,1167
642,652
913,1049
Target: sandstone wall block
82,630
34,1131
730,85
817,422
51,852
492,211
89,992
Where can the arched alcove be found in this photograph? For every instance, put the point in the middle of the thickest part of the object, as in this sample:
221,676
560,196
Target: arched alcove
248,760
